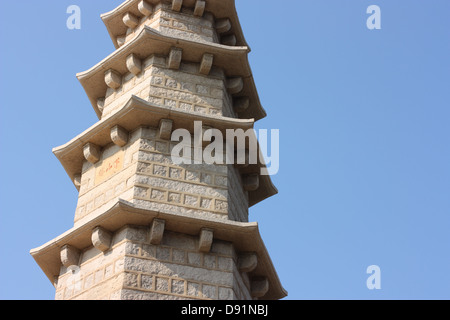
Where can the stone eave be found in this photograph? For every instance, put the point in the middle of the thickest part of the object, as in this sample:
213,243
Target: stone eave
138,112
244,236
233,60
132,115
221,9
266,190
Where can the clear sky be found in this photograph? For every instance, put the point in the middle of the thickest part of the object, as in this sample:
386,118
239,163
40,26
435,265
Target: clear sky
364,135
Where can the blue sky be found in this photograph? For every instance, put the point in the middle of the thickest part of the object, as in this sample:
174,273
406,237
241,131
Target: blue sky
364,140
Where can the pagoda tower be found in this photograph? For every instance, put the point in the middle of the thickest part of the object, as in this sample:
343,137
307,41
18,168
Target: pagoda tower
146,228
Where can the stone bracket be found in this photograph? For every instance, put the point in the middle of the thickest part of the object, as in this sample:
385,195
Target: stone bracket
206,64
199,9
176,5
157,231
259,287
205,240
101,239
145,8
77,181
119,136
70,256
165,129
134,64
175,56
223,25
241,104
113,79
251,182
247,262
130,20
91,152
235,85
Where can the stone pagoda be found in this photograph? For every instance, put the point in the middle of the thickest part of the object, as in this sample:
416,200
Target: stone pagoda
146,228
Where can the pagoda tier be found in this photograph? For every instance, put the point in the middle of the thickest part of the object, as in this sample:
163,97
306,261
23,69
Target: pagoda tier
193,76
254,261
136,119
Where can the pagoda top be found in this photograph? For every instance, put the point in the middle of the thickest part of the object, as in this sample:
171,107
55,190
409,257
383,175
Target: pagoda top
220,9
